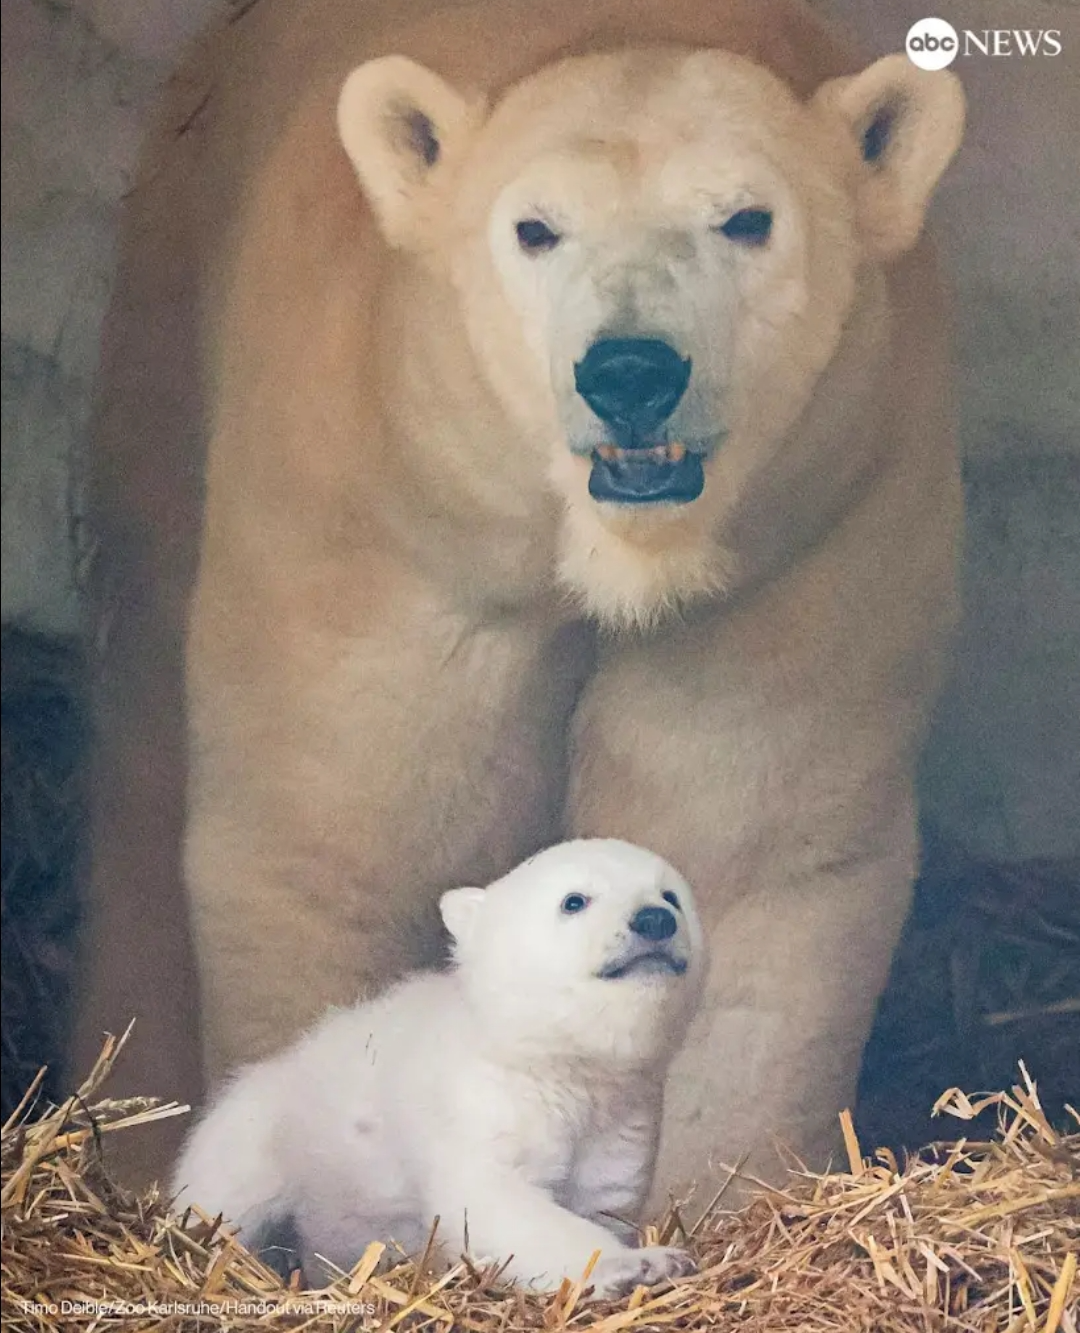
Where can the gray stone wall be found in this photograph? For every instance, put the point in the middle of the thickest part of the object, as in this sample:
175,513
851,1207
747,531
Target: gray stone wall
78,83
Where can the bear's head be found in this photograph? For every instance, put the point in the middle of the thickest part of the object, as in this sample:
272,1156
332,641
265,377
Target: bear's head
589,950
657,256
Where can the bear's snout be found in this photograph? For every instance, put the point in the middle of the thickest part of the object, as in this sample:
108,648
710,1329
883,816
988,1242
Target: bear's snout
654,923
632,385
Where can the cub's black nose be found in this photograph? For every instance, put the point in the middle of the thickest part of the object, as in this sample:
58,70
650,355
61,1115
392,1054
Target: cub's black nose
632,384
654,923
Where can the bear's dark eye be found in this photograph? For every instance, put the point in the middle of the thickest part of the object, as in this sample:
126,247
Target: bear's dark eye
574,902
672,899
749,226
535,236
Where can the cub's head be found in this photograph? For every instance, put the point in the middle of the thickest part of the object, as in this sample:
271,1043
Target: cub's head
655,254
589,949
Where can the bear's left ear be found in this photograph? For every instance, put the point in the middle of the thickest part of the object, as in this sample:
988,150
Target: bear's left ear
459,908
404,128
908,123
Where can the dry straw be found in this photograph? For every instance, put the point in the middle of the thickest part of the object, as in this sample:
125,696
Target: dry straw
974,1236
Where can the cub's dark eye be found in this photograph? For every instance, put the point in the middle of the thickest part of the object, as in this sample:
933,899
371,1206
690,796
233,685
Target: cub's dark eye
749,226
672,899
535,236
574,902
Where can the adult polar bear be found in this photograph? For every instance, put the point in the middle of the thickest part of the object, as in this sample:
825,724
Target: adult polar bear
392,684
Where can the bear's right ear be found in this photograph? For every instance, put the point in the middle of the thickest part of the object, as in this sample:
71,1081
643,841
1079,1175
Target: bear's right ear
459,908
404,128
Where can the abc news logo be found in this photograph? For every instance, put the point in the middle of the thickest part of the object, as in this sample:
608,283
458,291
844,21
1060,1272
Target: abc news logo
934,43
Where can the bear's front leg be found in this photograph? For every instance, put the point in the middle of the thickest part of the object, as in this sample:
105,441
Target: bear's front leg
795,825
614,1168
285,930
492,1212
776,1050
331,806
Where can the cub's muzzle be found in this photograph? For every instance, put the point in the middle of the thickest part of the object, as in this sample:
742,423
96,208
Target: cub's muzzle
651,949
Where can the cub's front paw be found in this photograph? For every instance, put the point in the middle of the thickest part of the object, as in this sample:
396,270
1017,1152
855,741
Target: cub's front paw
619,1273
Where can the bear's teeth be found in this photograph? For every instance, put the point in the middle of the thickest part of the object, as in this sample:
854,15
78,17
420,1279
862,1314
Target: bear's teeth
660,453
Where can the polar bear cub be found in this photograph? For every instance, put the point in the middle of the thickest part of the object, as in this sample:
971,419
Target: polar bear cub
516,1096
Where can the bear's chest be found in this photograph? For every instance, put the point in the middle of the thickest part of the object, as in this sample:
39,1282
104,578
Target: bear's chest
586,1144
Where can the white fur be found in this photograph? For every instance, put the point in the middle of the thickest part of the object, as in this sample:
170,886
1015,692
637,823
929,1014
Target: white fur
517,1096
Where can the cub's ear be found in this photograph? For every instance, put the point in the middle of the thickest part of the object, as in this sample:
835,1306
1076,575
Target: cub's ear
908,123
404,129
459,908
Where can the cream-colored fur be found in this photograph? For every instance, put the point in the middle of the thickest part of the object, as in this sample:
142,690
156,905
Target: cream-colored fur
392,681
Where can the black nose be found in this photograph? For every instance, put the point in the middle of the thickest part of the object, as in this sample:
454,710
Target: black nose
654,923
632,383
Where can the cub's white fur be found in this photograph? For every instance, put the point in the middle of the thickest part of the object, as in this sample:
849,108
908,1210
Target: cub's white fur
517,1096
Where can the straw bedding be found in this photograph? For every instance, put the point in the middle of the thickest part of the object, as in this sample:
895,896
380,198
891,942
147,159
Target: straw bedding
973,1235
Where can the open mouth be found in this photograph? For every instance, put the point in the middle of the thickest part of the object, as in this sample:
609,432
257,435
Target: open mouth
657,474
657,962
